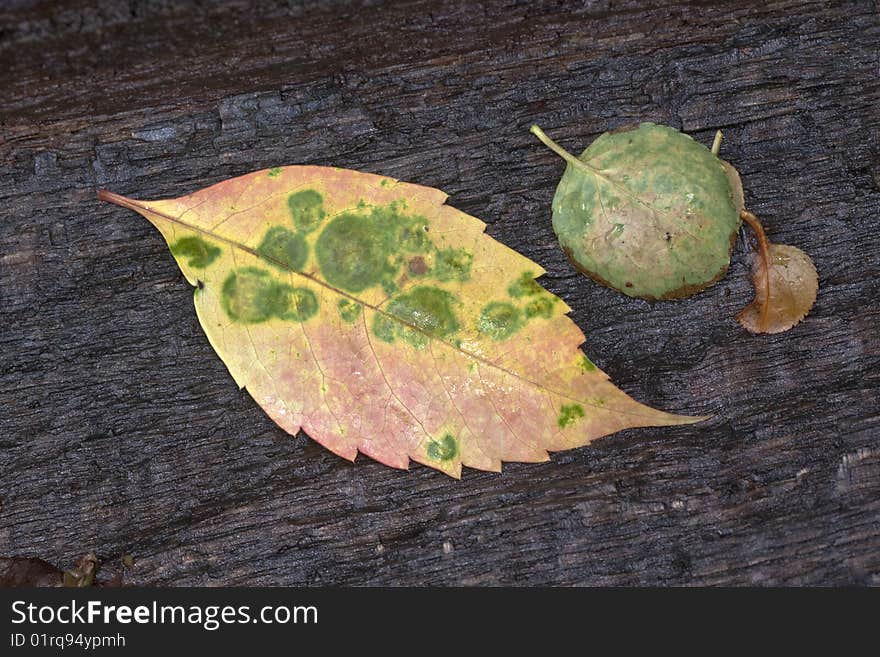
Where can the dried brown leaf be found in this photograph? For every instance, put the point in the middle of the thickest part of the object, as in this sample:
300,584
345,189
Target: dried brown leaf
784,299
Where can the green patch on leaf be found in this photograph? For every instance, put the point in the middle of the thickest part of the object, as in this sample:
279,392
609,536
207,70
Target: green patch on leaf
306,209
355,249
198,252
274,172
284,249
424,312
352,252
412,234
586,364
525,286
499,320
540,307
250,295
349,311
388,285
452,265
568,413
385,328
444,449
301,304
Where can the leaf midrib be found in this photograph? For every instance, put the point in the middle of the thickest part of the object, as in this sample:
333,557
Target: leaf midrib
141,207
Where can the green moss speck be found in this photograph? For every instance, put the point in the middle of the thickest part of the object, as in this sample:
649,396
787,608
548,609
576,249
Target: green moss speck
349,311
274,172
586,364
306,209
384,327
452,265
284,249
412,232
198,252
389,286
301,305
524,286
444,449
568,413
499,320
540,307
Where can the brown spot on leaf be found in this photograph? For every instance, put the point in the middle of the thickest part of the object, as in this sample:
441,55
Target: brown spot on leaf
417,266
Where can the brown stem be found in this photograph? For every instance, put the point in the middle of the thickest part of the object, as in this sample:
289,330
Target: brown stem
764,251
118,199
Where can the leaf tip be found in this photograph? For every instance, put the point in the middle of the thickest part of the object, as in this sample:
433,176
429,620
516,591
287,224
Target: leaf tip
679,420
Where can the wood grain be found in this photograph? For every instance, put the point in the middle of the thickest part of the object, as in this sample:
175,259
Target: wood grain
121,431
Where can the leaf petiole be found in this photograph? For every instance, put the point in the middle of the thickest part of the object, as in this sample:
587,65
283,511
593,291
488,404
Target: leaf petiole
716,143
118,199
561,152
764,252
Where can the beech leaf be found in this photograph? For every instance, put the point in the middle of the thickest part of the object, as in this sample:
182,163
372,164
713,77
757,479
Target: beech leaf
376,318
647,211
786,285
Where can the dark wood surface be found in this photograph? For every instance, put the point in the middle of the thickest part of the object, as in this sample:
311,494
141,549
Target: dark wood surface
122,432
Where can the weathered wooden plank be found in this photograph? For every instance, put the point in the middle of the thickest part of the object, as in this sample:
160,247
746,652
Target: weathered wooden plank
121,432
